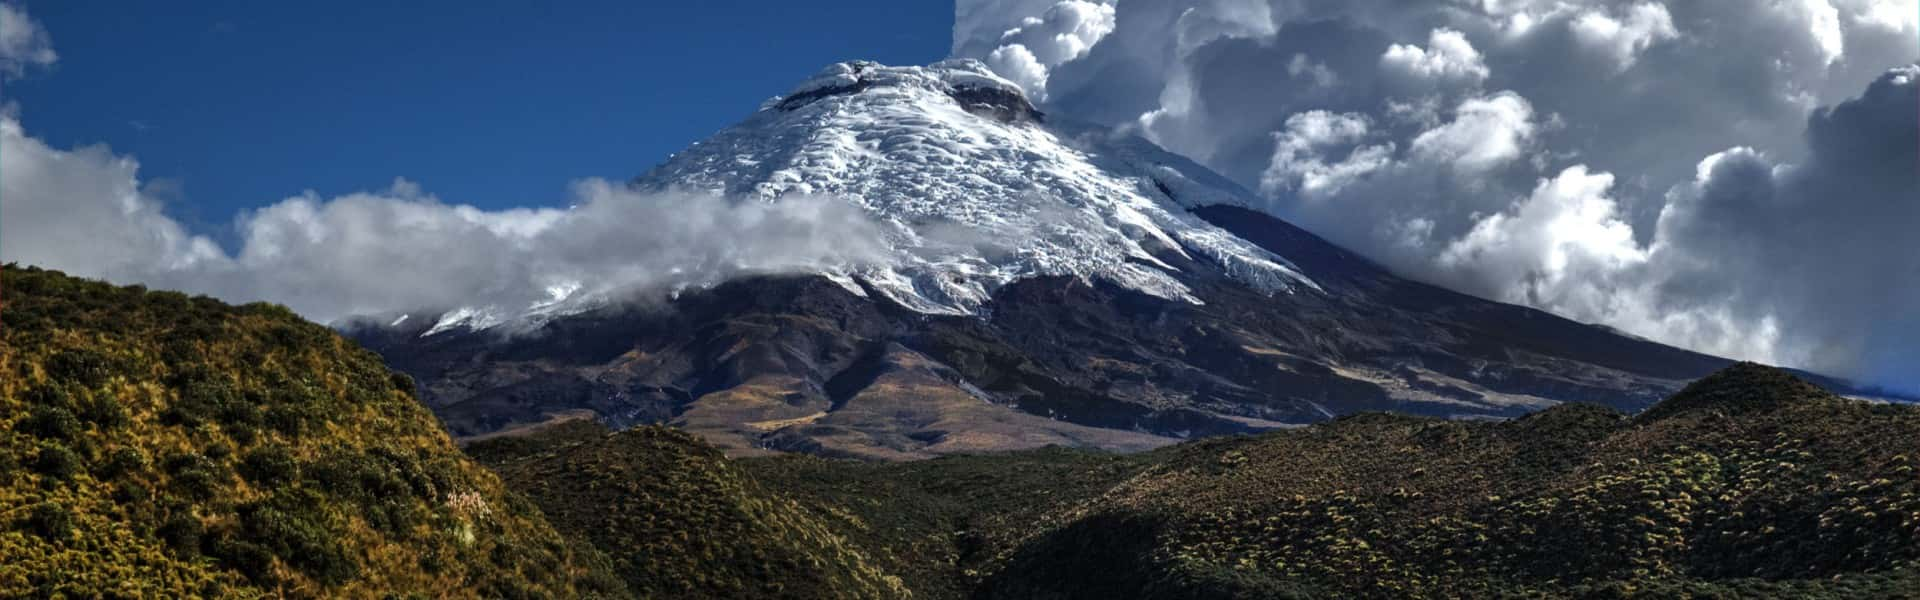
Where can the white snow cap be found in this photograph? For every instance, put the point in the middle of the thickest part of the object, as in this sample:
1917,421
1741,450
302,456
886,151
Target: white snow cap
944,77
967,188
976,187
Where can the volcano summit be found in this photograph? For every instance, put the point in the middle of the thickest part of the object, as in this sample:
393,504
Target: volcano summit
1043,282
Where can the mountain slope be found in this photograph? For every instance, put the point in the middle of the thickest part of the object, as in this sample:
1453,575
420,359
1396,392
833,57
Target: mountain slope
679,520
1049,283
156,445
1749,483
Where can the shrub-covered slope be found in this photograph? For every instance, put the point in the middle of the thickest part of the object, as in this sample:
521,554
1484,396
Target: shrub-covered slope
1750,483
1747,483
679,520
157,445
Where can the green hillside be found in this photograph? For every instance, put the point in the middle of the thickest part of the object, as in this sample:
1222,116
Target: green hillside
1750,483
680,520
157,445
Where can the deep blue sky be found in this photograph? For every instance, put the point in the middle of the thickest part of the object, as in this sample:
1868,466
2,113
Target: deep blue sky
494,104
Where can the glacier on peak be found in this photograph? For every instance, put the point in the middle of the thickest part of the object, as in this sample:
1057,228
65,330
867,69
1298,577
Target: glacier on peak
973,186
978,188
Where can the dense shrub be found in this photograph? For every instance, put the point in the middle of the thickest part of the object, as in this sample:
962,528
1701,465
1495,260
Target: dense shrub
123,461
104,411
163,437
268,466
681,521
57,462
50,422
78,365
181,533
51,521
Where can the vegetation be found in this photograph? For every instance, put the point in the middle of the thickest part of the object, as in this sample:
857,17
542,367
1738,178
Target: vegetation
158,445
153,444
681,521
1748,484
937,523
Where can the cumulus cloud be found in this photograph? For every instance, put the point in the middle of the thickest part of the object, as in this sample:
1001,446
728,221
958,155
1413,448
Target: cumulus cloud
1447,59
1622,38
1555,247
400,249
61,205
1824,246
1300,159
1024,50
23,42
1550,152
1486,133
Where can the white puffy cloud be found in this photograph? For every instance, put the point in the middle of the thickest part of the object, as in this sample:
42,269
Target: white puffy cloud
23,42
1485,134
85,207
1545,151
1300,164
1448,59
400,249
1622,38
1025,49
1556,247
1016,63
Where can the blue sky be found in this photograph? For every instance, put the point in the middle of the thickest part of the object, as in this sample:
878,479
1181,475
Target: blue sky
493,104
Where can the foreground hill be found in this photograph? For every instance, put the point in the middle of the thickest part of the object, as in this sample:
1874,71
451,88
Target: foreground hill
1038,283
156,445
678,519
1749,483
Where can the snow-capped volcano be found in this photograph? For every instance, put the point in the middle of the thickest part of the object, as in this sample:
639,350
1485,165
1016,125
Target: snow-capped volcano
1038,283
977,188
971,187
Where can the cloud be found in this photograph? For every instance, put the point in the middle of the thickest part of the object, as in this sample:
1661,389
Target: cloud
1622,38
1824,246
1557,247
400,249
1024,50
1486,133
1550,152
1300,159
1448,59
23,42
85,207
